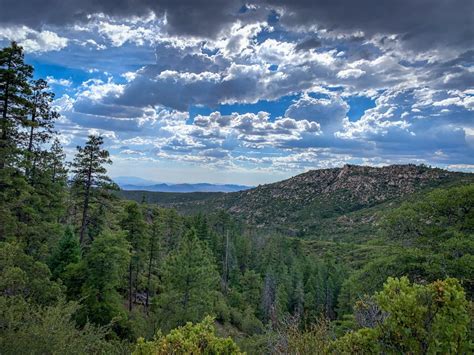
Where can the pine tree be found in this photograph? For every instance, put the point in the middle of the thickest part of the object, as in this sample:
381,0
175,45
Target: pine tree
250,285
104,266
14,91
322,289
90,177
189,284
269,301
14,100
67,252
24,276
39,125
56,163
134,225
173,229
154,248
42,117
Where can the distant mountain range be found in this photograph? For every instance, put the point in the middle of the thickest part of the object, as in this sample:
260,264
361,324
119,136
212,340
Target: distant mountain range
135,183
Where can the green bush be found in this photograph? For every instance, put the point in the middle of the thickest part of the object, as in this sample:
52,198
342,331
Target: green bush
191,338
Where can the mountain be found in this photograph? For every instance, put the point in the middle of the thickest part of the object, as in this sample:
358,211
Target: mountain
136,183
132,181
184,188
320,201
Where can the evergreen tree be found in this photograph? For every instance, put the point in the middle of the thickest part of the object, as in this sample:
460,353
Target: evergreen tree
56,163
251,288
173,230
269,299
322,290
104,266
134,225
189,284
14,91
31,329
90,178
42,117
154,250
25,277
419,319
67,252
39,124
14,100
189,339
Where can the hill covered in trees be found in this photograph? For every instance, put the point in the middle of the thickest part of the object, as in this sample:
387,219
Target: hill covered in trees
84,271
310,203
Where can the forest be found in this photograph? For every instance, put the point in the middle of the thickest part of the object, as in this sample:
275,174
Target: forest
85,271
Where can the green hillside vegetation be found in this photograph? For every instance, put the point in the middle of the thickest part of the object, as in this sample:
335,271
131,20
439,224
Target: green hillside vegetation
276,269
329,204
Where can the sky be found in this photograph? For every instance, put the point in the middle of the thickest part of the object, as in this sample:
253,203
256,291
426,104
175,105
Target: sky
252,92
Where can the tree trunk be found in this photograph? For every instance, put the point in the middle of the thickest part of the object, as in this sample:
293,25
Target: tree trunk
53,175
32,130
130,302
186,295
85,209
226,262
148,281
3,142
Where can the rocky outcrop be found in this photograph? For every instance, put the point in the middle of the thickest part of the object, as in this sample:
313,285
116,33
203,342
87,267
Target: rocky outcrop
332,192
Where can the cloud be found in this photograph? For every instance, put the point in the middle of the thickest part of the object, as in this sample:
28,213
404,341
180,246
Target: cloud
350,73
60,82
32,40
308,43
284,92
180,90
119,34
422,25
191,18
329,112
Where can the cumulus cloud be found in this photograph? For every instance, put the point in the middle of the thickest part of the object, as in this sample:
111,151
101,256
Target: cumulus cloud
60,82
350,73
329,112
32,40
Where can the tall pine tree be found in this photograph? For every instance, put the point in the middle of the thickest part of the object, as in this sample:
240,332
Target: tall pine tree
134,225
15,93
189,285
91,182
39,124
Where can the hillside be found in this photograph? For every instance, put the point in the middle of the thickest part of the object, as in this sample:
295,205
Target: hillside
317,201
